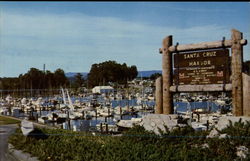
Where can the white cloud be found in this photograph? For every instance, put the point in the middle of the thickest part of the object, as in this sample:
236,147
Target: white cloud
75,41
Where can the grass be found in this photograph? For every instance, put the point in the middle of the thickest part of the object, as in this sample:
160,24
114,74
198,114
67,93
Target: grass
5,120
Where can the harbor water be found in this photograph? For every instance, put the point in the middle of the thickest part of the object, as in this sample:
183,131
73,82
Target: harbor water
90,125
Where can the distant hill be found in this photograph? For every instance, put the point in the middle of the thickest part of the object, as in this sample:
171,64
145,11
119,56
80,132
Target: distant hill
147,73
72,74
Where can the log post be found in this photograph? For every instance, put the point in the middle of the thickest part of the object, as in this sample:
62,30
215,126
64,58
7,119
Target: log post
236,65
246,94
158,95
167,75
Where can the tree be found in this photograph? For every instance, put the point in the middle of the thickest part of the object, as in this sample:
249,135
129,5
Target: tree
155,76
35,78
49,79
246,67
110,71
79,80
93,75
60,78
133,72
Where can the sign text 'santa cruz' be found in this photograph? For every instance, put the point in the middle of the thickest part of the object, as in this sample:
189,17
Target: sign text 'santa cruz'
197,55
201,59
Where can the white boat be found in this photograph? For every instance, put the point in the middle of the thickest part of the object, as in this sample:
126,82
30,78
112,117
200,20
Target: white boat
120,110
8,99
184,100
113,128
24,101
89,114
151,97
220,102
3,110
43,120
26,127
15,111
73,115
106,112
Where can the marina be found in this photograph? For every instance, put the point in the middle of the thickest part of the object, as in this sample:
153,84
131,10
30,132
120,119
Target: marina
99,113
118,81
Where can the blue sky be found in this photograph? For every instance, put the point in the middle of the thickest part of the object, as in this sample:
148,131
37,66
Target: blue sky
75,35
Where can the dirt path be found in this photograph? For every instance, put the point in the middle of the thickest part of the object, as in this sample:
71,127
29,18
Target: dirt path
5,132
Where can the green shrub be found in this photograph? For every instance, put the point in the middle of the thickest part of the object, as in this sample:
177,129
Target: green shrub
136,144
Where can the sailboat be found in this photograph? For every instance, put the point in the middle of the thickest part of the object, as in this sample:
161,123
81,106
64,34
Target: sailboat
70,102
64,104
60,116
72,113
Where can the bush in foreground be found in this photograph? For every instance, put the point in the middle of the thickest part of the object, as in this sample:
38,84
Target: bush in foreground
135,144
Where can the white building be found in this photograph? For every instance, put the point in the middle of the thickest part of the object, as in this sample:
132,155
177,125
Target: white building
102,89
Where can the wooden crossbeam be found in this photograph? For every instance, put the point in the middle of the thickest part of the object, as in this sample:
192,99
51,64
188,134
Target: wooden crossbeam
202,46
201,88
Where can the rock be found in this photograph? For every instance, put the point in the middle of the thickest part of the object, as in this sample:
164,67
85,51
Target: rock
204,146
224,121
213,133
223,136
153,116
242,151
154,122
129,123
136,121
198,126
148,127
125,123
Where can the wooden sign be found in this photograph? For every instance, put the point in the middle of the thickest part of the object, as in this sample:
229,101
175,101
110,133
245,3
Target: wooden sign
203,75
203,67
201,59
